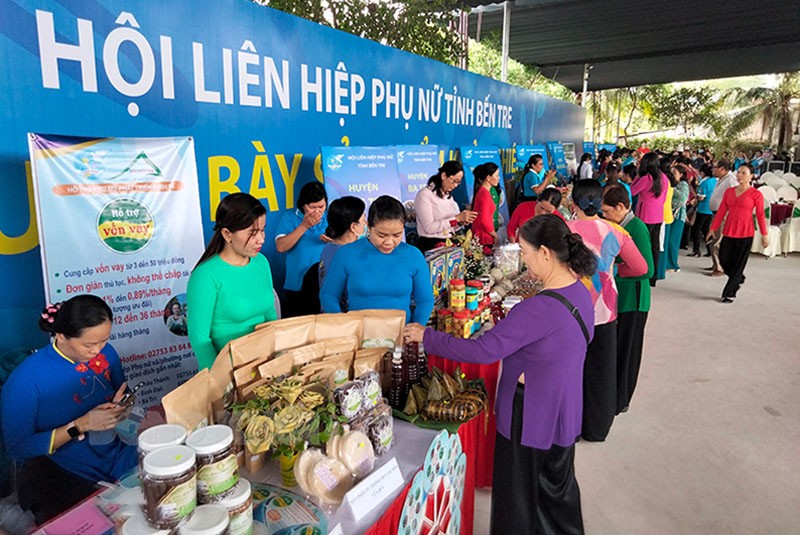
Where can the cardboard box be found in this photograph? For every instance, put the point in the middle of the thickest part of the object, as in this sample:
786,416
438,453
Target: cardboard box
437,265
455,263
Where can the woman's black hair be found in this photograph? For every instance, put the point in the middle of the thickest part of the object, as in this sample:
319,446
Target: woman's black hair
587,157
342,213
71,317
683,172
481,173
612,173
587,194
551,195
706,170
550,231
749,166
630,170
649,166
385,208
237,211
533,160
310,193
449,168
615,194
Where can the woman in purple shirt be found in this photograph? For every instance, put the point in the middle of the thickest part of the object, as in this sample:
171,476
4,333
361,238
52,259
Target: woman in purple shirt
542,343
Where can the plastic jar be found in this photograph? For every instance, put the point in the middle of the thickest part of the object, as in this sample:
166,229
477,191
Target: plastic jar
457,295
169,485
462,325
137,525
472,298
159,436
209,519
478,285
217,467
444,320
240,509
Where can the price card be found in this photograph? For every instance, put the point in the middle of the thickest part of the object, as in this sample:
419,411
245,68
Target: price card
374,489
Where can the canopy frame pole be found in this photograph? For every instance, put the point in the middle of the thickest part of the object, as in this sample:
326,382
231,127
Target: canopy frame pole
506,38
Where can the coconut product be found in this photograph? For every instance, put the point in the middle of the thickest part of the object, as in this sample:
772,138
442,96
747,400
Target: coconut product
217,467
169,485
357,454
209,519
330,480
159,436
239,504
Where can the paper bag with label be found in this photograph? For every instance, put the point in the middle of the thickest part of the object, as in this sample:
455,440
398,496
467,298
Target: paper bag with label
293,332
306,354
188,405
336,326
340,344
382,328
368,360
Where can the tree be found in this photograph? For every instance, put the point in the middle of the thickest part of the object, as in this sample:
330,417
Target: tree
423,27
772,105
684,107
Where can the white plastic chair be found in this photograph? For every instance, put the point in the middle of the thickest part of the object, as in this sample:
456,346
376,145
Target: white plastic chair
788,177
769,193
779,183
773,233
790,232
795,182
778,172
769,175
771,181
787,193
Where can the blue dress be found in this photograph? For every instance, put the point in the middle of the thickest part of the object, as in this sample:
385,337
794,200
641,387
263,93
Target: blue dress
49,390
373,279
306,251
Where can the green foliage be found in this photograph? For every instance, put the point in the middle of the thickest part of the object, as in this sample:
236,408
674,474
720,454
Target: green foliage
486,59
422,27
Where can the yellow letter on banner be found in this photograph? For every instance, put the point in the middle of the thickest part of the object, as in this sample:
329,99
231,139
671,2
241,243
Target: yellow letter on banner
217,187
29,240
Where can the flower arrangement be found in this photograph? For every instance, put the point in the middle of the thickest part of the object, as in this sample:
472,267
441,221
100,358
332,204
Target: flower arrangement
476,262
285,416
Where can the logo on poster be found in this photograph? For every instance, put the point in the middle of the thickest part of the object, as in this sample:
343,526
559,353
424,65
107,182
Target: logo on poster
125,226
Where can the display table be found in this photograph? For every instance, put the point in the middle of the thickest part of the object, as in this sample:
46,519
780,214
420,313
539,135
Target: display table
483,458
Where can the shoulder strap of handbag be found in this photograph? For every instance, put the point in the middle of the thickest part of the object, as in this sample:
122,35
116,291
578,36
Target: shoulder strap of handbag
572,310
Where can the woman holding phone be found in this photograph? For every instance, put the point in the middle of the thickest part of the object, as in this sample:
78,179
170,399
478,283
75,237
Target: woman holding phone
58,406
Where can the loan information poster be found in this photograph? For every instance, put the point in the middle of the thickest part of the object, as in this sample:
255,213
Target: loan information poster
120,219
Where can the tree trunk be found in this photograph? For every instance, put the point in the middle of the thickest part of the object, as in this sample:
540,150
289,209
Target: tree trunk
634,96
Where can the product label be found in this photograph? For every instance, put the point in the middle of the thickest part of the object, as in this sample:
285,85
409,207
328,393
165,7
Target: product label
179,502
373,391
326,476
339,378
352,403
218,477
242,523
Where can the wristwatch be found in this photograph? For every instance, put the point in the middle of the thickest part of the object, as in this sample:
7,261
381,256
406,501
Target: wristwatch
74,432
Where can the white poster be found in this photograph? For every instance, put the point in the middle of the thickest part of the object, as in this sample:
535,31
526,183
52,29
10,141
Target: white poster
120,219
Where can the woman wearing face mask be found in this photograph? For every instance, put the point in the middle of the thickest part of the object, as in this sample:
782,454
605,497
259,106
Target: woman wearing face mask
346,224
230,289
487,176
438,215
301,235
381,271
542,343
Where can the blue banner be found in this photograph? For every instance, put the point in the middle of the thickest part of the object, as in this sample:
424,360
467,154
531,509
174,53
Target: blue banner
259,91
415,165
471,157
610,147
588,146
524,152
558,160
363,172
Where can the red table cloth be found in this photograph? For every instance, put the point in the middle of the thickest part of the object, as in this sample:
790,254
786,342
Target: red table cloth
779,213
469,434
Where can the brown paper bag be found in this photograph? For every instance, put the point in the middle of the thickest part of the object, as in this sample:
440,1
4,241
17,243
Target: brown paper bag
382,328
340,344
370,360
221,391
293,332
248,373
276,367
336,326
258,345
306,354
332,371
188,405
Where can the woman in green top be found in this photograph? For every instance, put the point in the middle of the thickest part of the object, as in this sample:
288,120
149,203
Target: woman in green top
633,301
230,290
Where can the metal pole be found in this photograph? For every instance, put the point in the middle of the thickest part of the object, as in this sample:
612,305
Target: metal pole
506,31
586,69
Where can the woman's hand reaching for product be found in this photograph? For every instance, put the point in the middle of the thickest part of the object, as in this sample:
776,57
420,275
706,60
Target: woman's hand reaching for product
413,332
466,217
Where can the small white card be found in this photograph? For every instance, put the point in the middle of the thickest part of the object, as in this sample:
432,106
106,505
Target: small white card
337,530
374,488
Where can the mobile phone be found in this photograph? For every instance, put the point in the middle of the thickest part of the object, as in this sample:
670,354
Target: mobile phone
130,396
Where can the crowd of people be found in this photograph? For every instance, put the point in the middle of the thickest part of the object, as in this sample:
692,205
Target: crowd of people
571,355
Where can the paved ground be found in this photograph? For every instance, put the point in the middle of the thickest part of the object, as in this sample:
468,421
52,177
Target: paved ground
711,443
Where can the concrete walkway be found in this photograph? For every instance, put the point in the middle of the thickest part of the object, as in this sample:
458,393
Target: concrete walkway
711,443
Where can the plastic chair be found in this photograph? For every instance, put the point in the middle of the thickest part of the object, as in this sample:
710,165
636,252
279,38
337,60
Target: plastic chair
795,182
778,172
779,183
787,193
790,232
277,303
788,177
769,175
773,233
769,193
